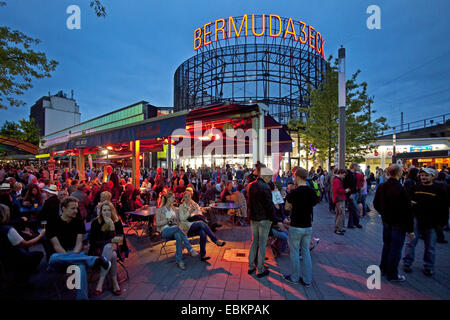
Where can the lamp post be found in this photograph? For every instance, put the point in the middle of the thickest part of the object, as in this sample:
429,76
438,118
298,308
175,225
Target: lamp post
342,102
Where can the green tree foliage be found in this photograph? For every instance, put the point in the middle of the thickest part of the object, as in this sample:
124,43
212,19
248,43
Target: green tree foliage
20,64
99,8
320,125
24,130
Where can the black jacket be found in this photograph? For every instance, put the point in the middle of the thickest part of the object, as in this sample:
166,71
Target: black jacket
260,205
350,182
392,202
431,209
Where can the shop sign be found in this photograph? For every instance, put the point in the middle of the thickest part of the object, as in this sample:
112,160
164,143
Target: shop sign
224,29
420,149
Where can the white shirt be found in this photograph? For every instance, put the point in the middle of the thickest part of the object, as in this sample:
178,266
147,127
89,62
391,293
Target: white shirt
14,237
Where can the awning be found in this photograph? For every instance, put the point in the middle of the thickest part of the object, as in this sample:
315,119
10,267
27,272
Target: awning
423,154
10,146
153,128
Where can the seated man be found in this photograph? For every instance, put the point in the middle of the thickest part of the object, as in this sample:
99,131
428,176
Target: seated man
65,234
14,252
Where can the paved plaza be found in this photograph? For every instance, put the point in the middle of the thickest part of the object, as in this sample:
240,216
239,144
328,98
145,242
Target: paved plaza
339,270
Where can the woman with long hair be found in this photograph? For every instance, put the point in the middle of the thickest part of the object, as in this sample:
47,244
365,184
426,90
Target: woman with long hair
192,224
166,224
32,197
105,237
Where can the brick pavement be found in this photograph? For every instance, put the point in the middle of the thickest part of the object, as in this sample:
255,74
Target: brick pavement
339,270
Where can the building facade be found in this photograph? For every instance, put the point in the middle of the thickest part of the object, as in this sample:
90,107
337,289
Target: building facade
54,113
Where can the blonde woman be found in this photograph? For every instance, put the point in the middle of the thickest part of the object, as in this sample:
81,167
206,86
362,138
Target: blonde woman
192,224
166,219
105,235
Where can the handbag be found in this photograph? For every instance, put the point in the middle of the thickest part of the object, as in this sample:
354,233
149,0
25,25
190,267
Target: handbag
197,217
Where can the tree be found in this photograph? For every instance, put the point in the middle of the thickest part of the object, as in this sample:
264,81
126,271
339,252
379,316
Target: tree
24,130
99,8
20,64
321,123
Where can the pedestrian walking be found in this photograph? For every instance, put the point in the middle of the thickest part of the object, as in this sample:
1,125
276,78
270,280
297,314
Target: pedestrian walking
392,202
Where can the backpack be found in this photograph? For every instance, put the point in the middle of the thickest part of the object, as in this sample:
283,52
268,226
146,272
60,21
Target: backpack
313,185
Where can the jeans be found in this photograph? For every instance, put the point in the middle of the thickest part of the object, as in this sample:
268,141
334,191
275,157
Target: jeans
331,204
283,236
260,233
60,261
299,238
200,228
429,239
353,211
393,240
174,233
364,206
110,254
340,216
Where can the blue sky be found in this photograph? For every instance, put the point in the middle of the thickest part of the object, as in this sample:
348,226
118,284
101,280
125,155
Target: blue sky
132,54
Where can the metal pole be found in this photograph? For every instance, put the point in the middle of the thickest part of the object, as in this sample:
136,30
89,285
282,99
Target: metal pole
394,140
342,102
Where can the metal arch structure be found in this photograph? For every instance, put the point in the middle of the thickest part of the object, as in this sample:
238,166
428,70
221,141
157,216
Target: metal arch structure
276,71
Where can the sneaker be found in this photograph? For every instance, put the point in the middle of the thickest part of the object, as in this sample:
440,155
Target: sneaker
339,232
220,243
407,269
400,278
428,272
181,265
316,242
251,271
194,253
205,259
359,226
442,241
351,227
289,279
263,274
303,283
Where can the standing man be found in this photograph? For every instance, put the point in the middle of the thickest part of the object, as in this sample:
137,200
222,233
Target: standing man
392,202
367,172
351,187
329,189
430,207
261,213
301,202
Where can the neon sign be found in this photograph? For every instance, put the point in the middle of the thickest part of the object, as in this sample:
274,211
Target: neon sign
268,25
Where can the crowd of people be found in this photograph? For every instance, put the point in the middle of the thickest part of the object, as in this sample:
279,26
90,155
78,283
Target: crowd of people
55,210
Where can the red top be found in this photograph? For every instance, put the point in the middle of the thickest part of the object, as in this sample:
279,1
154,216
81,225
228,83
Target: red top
338,190
359,180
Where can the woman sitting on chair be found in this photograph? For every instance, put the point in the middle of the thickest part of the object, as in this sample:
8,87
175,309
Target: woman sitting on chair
105,236
166,225
192,223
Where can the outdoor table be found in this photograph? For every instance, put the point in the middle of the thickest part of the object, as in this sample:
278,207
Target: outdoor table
143,220
30,209
225,206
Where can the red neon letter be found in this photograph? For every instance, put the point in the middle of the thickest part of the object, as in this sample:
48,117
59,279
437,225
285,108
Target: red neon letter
321,45
199,38
270,25
318,37
263,26
219,29
310,36
231,22
290,24
205,34
304,33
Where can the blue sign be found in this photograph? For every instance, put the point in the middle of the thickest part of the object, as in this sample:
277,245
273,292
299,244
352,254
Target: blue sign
423,148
